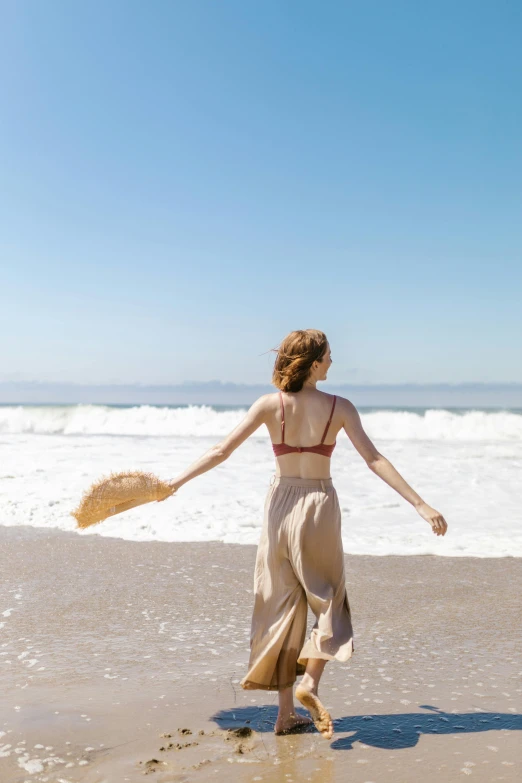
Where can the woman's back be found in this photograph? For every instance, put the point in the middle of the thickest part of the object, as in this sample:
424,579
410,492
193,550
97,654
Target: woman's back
303,429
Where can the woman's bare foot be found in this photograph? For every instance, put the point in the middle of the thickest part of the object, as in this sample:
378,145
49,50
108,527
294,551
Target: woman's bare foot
321,717
291,722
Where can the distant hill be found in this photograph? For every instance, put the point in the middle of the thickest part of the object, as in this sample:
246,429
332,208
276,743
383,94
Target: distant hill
218,393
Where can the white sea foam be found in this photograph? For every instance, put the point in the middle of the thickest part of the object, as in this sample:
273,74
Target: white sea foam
205,421
472,480
193,420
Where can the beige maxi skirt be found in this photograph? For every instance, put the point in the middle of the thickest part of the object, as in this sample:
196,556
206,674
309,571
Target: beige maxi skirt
299,562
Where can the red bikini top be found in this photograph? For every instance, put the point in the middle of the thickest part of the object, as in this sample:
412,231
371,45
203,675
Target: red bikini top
322,448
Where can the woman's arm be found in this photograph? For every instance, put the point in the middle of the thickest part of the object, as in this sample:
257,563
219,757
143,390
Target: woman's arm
383,468
221,451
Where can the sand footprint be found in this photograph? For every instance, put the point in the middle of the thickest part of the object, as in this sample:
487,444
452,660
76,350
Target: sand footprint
240,734
152,765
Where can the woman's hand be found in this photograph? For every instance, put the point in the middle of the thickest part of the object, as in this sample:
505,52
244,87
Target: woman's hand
434,518
174,488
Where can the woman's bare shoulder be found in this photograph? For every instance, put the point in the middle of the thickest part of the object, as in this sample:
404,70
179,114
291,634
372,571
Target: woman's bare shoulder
266,403
270,398
345,405
343,400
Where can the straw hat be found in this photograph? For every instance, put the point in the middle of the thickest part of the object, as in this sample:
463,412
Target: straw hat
119,492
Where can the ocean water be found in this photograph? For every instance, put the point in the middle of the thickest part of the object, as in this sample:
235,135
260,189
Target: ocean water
465,463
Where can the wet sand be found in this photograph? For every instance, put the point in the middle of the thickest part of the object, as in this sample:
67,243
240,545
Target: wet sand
121,661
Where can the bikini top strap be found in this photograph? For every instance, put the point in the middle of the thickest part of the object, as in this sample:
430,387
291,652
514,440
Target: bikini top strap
329,420
282,417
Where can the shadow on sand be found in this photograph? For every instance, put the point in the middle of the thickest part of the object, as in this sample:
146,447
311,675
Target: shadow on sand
380,731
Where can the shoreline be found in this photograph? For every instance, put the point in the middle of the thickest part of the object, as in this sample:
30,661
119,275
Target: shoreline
92,532
108,643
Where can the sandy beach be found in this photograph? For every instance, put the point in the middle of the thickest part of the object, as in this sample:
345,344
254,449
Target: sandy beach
120,659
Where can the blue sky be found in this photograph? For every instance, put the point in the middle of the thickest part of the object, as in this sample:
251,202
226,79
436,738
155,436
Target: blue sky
186,182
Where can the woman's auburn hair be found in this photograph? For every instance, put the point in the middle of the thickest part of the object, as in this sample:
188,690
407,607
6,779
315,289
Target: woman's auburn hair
295,356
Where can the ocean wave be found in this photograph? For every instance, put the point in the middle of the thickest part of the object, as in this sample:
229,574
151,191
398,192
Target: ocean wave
205,421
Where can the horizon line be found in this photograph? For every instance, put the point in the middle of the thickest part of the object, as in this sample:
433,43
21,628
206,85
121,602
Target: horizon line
221,384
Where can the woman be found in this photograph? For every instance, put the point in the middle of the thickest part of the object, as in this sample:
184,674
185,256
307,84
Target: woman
300,558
